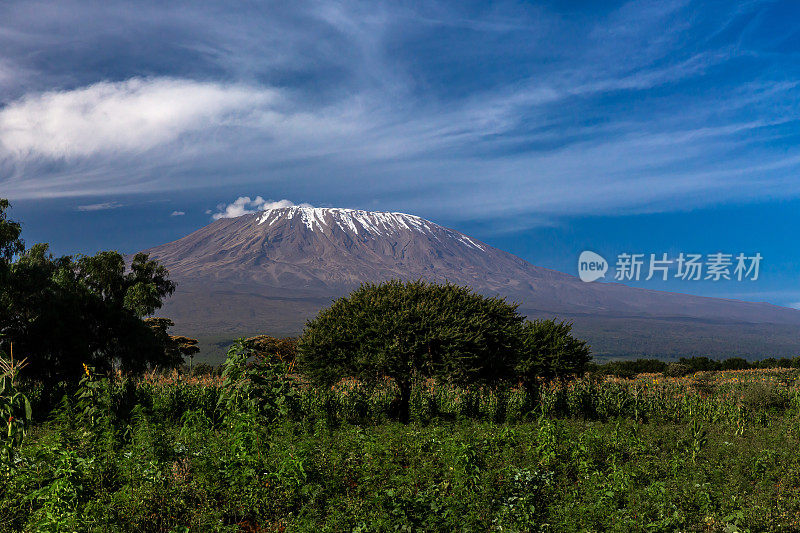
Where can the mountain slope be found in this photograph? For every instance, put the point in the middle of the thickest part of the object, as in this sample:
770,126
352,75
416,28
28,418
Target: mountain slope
271,271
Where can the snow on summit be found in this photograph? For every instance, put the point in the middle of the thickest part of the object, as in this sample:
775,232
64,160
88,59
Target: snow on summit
359,222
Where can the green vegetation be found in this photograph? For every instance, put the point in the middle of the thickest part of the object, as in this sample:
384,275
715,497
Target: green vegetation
262,451
15,411
686,365
549,351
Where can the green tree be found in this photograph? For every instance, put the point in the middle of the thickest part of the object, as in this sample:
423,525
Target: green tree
10,245
266,347
175,347
412,330
10,242
549,351
64,311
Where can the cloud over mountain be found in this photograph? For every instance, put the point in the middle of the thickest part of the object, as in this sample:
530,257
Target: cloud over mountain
243,205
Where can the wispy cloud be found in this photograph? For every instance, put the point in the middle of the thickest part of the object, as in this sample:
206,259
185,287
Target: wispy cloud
476,112
100,207
177,213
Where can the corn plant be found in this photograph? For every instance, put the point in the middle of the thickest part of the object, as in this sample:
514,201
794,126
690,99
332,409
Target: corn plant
15,410
698,439
263,386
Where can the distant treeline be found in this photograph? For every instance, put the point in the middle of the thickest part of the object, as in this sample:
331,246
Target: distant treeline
688,365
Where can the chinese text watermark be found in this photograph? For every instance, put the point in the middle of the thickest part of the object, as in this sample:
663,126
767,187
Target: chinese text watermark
685,266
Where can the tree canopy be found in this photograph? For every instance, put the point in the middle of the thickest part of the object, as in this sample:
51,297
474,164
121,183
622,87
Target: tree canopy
267,347
63,311
175,347
10,242
409,330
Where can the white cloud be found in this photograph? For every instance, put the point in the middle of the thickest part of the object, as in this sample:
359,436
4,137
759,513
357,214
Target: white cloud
244,205
241,206
129,116
99,207
177,213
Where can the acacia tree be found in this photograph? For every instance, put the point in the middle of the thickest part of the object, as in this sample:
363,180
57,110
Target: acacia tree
411,330
175,347
269,347
549,351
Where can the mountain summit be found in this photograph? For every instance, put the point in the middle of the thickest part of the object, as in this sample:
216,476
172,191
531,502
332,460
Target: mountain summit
314,251
269,272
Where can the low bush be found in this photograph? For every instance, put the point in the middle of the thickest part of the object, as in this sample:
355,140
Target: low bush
677,370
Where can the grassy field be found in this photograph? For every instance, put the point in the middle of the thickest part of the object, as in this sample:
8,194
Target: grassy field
707,452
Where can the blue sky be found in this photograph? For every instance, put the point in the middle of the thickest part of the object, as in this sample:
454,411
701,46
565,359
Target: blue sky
541,128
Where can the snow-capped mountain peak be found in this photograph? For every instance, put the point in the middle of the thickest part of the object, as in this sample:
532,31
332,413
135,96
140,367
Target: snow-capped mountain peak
360,223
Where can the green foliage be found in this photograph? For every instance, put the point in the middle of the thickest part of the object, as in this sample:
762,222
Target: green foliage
267,347
62,311
10,231
764,397
412,330
676,370
15,412
648,455
174,347
550,351
258,386
697,439
92,405
687,365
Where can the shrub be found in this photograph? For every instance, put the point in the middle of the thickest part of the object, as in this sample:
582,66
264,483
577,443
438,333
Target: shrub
204,369
266,347
677,370
550,351
254,386
763,397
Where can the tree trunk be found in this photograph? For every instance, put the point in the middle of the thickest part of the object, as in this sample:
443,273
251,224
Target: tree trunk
404,409
532,390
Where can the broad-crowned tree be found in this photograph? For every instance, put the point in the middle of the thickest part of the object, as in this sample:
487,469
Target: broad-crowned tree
267,347
411,330
174,347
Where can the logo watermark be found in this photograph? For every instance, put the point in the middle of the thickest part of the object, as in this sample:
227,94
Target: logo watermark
685,266
591,266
